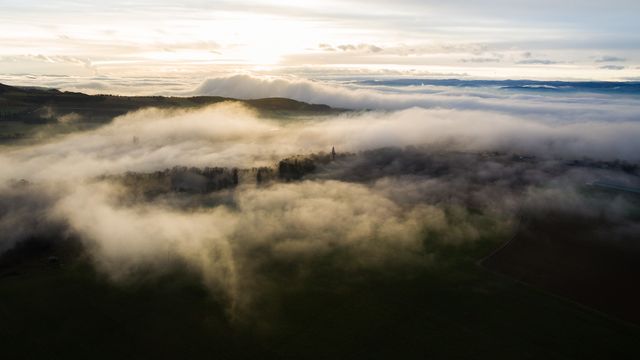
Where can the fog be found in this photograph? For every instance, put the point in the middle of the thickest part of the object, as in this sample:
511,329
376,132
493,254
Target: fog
230,135
401,176
554,108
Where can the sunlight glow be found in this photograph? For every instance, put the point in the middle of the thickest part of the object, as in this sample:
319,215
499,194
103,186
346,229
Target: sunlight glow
62,37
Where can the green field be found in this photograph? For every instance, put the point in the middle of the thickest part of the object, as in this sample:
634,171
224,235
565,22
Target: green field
451,308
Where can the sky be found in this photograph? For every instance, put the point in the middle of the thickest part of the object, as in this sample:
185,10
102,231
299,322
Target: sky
496,39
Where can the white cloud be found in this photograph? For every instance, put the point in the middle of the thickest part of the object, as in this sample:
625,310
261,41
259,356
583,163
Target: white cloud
557,109
228,236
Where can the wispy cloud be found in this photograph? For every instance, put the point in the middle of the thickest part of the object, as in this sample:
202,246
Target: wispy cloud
612,67
610,59
537,62
196,36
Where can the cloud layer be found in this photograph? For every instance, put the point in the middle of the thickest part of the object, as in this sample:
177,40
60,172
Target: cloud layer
370,210
230,135
568,108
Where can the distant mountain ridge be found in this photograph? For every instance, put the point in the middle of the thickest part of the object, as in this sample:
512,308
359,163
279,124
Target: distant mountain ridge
626,87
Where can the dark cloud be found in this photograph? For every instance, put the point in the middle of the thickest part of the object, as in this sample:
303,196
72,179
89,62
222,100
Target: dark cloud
537,62
369,48
481,60
612,67
610,59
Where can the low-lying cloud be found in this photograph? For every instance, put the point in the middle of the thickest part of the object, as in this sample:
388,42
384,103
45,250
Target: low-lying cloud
453,174
574,107
230,135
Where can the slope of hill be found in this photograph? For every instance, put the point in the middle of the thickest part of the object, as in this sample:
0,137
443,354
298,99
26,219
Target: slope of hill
24,109
40,105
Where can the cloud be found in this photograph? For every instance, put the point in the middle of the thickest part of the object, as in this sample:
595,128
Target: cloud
326,47
537,107
49,59
351,48
439,48
367,48
226,246
105,84
610,59
70,118
231,135
537,62
344,72
24,214
417,173
481,60
137,46
612,67
47,64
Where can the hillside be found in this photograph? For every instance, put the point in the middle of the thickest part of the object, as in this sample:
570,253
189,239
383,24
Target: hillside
37,105
34,112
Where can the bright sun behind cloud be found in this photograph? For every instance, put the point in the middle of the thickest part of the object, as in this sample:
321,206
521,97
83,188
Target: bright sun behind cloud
545,40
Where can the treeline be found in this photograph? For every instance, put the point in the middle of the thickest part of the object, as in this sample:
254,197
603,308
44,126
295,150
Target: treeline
191,179
183,179
296,167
